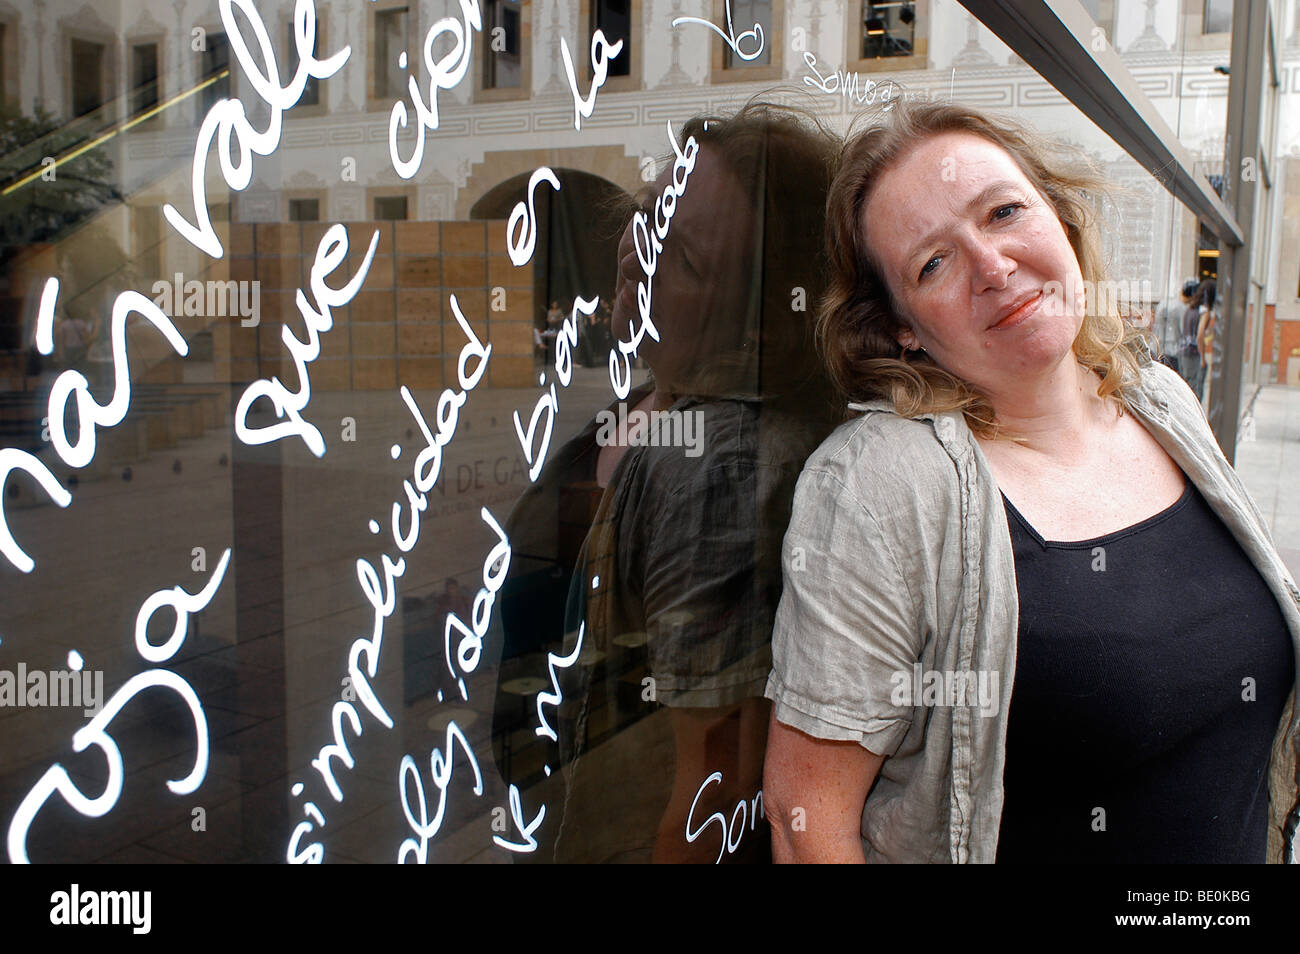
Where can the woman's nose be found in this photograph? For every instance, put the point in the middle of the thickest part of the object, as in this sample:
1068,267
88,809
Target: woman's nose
992,266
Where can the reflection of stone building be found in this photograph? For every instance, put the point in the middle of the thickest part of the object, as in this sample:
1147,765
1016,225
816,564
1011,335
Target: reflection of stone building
513,112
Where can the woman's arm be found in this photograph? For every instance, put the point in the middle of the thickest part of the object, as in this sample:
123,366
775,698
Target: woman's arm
813,794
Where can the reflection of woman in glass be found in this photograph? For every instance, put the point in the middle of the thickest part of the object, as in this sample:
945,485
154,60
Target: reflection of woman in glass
679,575
1026,500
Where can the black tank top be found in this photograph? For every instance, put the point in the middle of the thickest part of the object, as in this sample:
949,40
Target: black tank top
1152,668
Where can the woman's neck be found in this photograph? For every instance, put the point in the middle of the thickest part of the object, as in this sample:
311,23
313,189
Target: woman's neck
1056,415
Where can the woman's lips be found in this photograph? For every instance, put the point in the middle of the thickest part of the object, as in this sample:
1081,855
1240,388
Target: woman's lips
1021,313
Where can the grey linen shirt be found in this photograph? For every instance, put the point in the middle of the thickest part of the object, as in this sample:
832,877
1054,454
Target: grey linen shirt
898,554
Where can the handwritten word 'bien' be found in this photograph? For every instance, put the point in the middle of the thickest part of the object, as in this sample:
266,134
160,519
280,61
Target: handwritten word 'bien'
548,404
846,84
649,243
331,252
730,37
444,73
425,471
56,778
582,106
228,118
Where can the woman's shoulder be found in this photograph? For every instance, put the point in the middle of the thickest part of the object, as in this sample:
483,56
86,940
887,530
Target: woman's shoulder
882,458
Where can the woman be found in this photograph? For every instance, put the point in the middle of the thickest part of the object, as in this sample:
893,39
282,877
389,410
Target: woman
1026,500
1206,323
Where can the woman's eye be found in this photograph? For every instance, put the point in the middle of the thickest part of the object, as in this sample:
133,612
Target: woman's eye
930,266
1006,211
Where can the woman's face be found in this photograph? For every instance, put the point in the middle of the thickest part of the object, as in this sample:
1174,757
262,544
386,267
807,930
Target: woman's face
977,261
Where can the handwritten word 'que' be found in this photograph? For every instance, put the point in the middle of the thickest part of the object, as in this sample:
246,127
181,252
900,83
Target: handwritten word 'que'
331,252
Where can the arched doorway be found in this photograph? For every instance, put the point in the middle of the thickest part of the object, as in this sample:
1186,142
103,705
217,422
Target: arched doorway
578,229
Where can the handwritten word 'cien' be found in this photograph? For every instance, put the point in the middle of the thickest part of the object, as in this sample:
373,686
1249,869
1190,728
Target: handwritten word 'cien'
730,38
846,84
56,778
649,243
229,119
382,598
331,252
444,73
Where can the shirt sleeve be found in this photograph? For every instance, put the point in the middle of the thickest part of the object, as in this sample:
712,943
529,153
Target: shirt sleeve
847,630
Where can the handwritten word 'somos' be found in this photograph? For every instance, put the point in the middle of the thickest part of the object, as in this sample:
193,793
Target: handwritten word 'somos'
229,119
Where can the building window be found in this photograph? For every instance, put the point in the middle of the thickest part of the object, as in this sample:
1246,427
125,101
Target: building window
503,50
1217,16
887,30
391,36
305,210
144,77
390,208
310,92
744,14
87,77
214,60
614,19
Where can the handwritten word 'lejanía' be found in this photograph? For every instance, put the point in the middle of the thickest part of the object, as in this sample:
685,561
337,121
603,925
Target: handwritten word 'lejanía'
730,38
382,598
95,732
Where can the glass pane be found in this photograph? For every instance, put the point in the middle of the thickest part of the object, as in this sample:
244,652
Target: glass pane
520,526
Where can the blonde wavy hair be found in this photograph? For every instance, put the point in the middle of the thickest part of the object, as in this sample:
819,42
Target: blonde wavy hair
858,321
